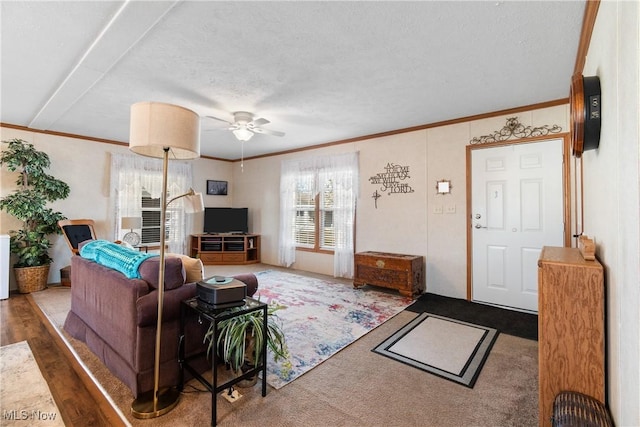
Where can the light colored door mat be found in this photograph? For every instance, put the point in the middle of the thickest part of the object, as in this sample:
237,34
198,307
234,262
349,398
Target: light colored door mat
445,347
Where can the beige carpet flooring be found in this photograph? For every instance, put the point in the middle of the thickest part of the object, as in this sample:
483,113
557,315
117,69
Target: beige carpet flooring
25,398
355,387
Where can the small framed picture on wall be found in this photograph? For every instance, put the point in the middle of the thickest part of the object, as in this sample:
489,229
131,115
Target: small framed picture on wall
216,188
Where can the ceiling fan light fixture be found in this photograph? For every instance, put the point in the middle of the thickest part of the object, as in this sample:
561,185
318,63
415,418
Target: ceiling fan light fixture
243,134
244,126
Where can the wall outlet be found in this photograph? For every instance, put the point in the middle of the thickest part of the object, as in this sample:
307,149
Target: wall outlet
451,209
437,209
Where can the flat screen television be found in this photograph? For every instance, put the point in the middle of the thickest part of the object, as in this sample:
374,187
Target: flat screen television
226,220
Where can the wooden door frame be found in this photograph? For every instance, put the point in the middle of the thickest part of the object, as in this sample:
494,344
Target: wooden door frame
566,190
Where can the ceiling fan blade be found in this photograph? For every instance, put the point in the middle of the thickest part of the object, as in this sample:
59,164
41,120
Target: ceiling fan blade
220,120
243,120
260,122
268,131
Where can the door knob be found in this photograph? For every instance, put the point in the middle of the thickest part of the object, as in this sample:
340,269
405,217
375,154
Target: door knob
478,226
478,216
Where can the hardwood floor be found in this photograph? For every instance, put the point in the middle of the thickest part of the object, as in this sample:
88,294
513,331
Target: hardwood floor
79,400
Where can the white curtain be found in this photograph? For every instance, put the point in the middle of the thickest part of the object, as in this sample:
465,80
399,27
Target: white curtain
287,242
131,175
343,170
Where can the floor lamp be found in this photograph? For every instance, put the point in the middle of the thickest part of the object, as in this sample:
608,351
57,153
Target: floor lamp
162,130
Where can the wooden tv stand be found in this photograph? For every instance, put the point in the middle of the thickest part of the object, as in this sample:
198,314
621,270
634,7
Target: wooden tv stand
223,249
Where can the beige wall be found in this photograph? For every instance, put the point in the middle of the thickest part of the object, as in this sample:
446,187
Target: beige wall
612,199
85,166
402,223
407,223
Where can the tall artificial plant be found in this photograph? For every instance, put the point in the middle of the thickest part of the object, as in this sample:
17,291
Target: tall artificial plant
35,188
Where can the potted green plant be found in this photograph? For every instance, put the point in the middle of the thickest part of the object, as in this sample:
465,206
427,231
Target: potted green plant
35,188
240,340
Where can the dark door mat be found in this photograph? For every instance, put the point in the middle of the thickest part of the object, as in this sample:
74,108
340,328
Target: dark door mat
510,322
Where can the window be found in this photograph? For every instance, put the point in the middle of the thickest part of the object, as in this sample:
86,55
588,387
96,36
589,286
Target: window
150,218
314,215
317,209
136,182
325,207
305,217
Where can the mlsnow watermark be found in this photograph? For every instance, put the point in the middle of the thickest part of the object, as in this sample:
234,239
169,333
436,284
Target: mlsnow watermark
28,415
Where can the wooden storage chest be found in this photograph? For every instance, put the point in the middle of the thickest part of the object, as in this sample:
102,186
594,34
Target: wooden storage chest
396,271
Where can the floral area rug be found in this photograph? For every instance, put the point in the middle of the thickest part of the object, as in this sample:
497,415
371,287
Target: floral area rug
321,318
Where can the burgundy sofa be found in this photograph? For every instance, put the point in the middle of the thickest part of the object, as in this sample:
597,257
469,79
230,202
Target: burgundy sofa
116,317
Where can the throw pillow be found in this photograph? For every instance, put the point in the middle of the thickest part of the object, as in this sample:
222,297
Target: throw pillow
193,267
173,273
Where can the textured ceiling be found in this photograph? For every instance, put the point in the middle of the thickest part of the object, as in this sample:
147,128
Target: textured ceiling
319,71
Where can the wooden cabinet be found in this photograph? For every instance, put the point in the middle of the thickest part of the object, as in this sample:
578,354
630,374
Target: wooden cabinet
226,248
571,327
396,271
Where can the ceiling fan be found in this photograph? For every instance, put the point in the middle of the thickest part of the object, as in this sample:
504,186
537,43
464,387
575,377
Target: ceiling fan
244,126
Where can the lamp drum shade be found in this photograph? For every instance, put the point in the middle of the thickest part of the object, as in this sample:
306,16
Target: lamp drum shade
156,126
131,222
194,203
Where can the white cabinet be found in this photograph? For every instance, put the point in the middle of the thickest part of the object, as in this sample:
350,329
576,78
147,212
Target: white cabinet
4,266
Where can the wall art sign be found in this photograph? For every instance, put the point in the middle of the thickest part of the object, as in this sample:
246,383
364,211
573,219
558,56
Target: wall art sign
376,196
390,181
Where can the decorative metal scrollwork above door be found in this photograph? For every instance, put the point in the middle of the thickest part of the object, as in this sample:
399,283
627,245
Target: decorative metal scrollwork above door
516,130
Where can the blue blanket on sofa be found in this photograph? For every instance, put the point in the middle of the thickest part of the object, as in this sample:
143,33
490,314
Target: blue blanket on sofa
115,256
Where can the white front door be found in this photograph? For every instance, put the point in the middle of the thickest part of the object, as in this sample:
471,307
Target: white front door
517,208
